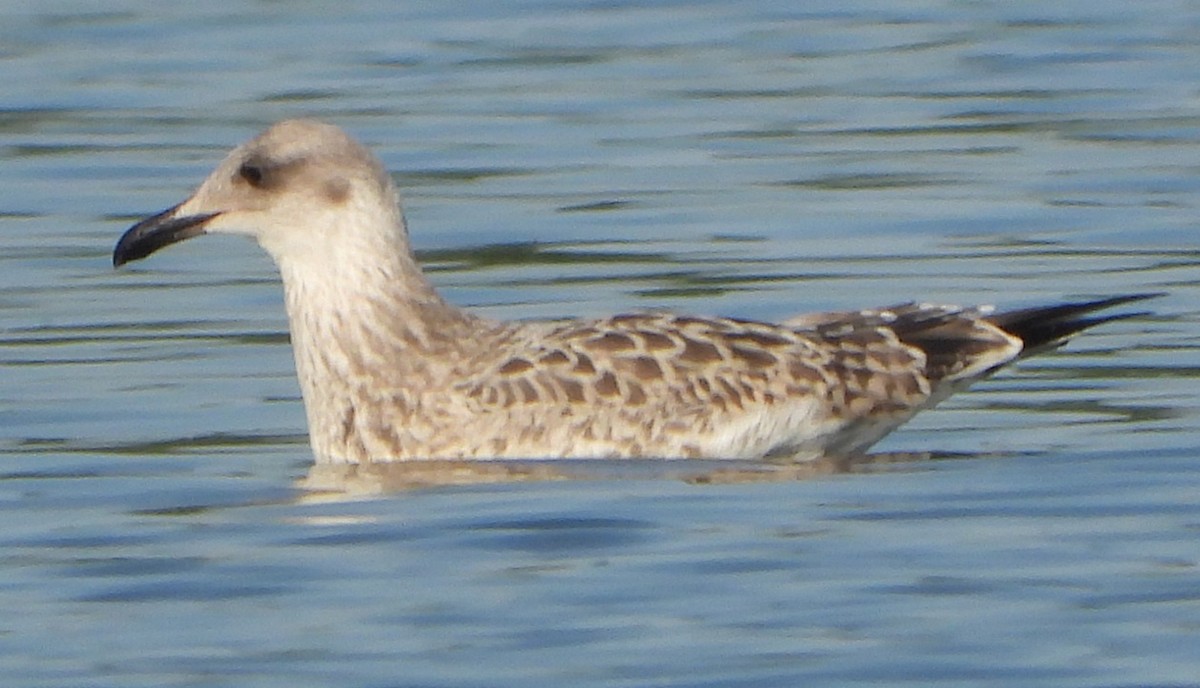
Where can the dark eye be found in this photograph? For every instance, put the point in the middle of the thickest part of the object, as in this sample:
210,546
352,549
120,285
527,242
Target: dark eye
253,174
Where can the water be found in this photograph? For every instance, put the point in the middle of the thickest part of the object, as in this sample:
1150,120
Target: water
749,159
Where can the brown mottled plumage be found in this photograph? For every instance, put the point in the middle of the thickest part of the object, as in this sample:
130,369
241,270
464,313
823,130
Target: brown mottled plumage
390,371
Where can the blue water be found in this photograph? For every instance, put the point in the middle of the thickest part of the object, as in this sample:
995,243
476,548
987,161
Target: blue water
749,159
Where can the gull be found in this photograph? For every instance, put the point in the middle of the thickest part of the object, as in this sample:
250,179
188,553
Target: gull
390,371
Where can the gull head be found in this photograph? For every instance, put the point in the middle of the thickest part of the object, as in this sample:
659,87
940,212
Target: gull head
302,189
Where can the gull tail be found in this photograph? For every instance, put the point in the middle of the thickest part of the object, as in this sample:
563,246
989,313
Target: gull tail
1048,327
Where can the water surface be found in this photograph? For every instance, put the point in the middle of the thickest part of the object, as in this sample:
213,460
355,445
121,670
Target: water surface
558,158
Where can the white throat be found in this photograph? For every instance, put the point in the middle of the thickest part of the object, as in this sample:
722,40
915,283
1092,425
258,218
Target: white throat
363,319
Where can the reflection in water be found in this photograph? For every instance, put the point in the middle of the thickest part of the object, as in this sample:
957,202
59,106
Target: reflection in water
325,482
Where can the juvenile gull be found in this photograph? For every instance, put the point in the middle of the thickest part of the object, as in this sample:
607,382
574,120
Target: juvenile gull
391,371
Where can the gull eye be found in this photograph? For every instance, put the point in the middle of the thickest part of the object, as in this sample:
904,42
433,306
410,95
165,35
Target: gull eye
253,174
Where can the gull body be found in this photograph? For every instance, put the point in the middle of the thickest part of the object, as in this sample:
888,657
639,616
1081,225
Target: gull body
390,371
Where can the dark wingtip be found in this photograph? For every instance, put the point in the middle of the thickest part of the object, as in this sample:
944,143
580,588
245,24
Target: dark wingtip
1050,326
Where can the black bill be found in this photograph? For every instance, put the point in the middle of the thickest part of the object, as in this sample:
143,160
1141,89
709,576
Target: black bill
153,233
